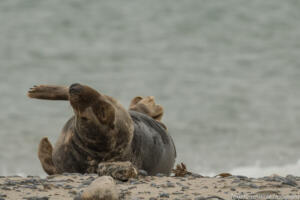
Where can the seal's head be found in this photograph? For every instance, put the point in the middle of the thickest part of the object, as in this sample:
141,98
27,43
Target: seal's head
100,120
89,105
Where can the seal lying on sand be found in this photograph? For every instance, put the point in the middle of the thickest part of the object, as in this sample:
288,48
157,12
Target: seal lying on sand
101,131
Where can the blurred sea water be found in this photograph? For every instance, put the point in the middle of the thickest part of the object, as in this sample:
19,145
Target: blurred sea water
226,72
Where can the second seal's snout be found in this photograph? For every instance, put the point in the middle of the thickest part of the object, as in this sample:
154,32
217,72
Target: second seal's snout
75,88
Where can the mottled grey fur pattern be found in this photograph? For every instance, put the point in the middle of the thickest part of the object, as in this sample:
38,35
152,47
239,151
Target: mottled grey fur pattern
101,130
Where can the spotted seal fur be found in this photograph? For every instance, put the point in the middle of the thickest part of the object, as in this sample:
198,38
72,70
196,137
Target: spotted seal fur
101,131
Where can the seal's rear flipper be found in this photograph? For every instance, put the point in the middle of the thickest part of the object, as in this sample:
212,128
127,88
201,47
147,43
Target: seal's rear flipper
45,156
147,106
49,92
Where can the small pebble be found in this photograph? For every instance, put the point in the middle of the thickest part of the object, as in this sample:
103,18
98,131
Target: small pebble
160,175
242,177
36,198
236,181
180,184
73,192
143,172
290,182
10,183
33,187
153,185
185,188
177,193
196,175
170,184
252,185
88,182
200,198
132,187
5,188
166,195
68,187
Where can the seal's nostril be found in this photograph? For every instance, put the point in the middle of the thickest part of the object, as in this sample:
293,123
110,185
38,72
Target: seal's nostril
75,88
74,85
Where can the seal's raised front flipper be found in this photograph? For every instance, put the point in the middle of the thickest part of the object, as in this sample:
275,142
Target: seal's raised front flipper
45,156
49,92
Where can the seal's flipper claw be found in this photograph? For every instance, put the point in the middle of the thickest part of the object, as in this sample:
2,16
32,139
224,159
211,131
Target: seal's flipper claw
45,156
49,92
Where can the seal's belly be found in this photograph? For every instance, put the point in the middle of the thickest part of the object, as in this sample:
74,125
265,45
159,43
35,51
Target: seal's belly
152,146
66,158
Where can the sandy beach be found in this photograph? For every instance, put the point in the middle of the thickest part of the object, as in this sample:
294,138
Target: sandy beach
193,186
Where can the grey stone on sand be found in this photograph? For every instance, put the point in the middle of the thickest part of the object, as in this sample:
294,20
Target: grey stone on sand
196,175
164,195
153,185
214,198
132,187
10,183
248,185
185,187
160,175
177,193
103,188
87,182
5,188
68,187
200,198
236,181
241,177
273,178
31,181
143,172
254,186
33,187
169,184
288,181
133,181
291,177
178,183
36,198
